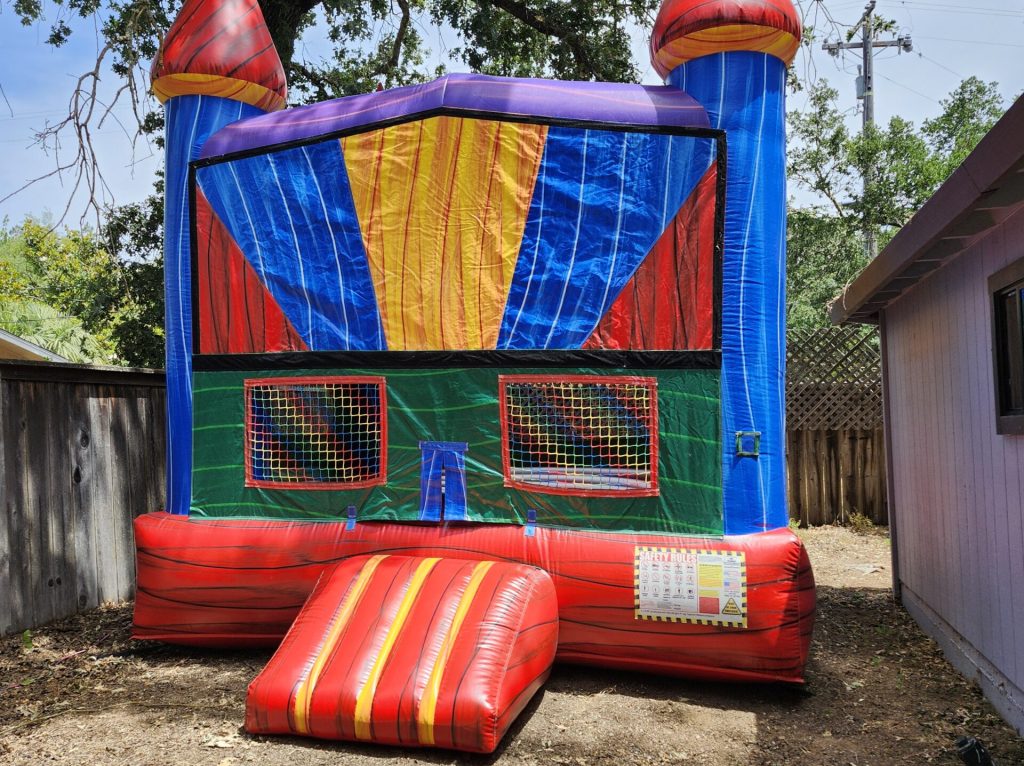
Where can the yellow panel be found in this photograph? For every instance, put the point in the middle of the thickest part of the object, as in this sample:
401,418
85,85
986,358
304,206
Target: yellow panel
442,204
364,700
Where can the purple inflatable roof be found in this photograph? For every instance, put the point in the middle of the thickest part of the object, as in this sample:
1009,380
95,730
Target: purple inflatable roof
653,105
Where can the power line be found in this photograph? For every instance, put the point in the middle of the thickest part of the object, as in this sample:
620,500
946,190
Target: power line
972,42
961,9
907,87
940,65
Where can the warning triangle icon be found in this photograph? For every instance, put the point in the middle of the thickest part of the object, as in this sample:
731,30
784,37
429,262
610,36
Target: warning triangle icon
731,608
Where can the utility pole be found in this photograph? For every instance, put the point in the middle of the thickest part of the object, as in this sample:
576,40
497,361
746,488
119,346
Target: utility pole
866,88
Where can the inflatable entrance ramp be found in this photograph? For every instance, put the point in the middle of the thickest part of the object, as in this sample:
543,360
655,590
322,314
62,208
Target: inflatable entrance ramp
411,651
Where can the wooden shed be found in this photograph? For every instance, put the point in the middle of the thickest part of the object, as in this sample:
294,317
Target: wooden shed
948,294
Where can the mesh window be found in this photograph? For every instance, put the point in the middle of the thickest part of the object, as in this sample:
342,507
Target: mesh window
315,433
586,435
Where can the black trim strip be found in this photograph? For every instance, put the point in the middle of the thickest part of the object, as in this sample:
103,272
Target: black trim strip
721,159
447,111
193,262
390,360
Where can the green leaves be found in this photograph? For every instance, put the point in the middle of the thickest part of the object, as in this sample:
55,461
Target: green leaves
67,293
566,40
385,44
902,164
824,252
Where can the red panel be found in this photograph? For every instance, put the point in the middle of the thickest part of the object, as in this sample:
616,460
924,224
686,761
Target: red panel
235,582
668,304
411,651
237,315
677,18
227,38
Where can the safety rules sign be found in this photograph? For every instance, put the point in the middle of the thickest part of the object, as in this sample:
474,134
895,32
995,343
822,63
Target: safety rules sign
690,585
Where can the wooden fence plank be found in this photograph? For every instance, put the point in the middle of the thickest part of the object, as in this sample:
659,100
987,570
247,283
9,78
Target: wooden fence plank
129,424
104,508
87,463
21,608
34,475
62,575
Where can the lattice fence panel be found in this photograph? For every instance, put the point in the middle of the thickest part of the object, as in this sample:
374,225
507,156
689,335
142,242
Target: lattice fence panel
833,379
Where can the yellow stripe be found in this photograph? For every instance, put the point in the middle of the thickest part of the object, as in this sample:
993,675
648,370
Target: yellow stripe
725,38
364,702
442,205
304,693
428,704
188,83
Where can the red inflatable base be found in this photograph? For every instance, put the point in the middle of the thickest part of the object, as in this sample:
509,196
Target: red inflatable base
233,583
404,650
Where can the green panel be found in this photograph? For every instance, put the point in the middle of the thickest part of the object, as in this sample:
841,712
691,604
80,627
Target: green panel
462,406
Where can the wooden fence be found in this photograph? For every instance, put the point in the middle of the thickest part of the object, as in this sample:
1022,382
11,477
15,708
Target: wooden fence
835,446
82,454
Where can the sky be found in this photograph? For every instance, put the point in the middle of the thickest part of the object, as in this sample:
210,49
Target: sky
950,42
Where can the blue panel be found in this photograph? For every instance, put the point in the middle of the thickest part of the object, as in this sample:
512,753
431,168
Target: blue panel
443,481
601,201
743,93
189,122
291,213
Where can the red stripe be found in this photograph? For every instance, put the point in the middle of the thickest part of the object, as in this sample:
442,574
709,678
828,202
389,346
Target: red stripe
237,315
668,303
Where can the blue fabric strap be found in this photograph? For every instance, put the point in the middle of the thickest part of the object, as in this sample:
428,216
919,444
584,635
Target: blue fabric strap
443,475
531,522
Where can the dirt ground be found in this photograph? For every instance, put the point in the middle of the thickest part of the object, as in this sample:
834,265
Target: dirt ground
878,693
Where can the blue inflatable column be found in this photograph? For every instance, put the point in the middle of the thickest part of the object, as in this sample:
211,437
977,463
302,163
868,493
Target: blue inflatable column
743,93
189,121
216,65
731,55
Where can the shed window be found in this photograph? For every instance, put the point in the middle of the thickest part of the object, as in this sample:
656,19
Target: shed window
1007,289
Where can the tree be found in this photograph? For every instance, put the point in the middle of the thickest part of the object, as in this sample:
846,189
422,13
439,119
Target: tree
67,293
376,43
904,165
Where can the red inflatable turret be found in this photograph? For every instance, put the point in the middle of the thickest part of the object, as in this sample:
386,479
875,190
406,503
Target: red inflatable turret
689,29
220,49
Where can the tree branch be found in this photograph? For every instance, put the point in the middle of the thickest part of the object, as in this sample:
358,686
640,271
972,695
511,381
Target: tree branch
283,19
391,64
545,26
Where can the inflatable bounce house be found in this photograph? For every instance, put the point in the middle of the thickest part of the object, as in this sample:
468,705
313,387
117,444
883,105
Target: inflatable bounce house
472,376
